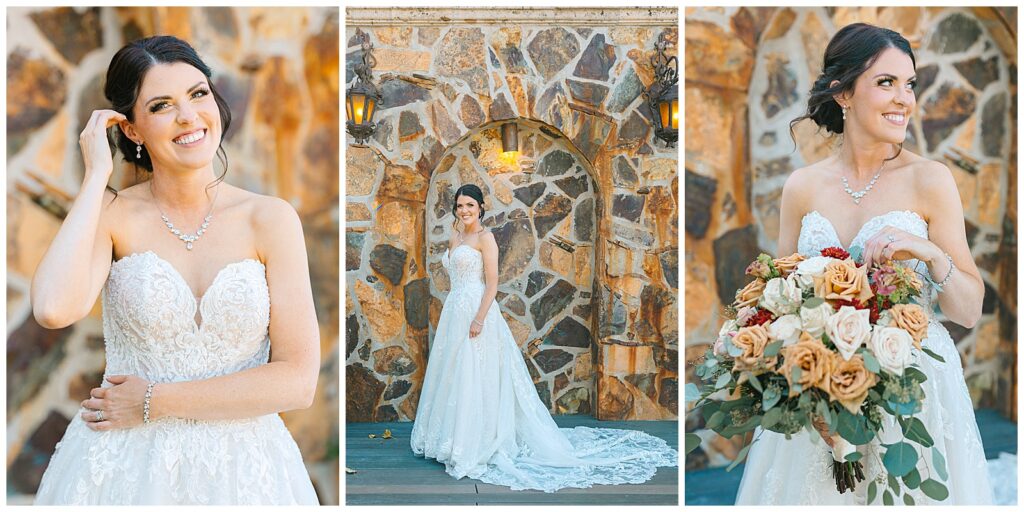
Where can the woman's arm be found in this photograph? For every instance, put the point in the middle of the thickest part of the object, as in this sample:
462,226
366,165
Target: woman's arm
791,211
287,382
962,296
489,248
75,266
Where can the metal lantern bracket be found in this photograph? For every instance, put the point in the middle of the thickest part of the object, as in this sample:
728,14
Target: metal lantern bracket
360,124
664,89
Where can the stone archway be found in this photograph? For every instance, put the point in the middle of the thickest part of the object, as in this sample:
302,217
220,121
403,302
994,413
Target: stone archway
542,211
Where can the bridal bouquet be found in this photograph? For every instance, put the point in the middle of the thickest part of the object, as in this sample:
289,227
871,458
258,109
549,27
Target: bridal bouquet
824,341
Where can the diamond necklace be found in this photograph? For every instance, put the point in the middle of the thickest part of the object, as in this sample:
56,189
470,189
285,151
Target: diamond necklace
858,195
185,237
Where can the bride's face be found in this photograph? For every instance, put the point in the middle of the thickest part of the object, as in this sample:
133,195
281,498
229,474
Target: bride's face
468,211
883,98
176,117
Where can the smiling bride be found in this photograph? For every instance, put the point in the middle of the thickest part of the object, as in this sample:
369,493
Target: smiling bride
208,317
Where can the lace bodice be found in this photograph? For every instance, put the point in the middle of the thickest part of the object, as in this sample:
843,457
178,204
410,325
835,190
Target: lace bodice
465,267
150,327
817,233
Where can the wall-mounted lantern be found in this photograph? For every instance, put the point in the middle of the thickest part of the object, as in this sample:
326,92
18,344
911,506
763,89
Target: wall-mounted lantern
663,94
509,139
363,97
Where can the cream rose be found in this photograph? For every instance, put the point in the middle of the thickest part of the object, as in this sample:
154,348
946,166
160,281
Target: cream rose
891,347
785,328
843,279
752,341
849,328
749,294
781,296
814,318
787,265
911,318
728,327
849,381
812,357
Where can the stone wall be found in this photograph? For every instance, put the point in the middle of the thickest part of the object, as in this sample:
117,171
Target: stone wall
747,73
278,70
585,215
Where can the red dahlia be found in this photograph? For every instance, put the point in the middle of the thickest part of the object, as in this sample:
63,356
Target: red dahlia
762,316
835,252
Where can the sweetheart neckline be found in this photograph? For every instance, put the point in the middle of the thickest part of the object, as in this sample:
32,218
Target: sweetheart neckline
856,235
478,251
197,301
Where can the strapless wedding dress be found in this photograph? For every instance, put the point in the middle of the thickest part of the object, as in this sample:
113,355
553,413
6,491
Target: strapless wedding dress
480,415
150,330
799,471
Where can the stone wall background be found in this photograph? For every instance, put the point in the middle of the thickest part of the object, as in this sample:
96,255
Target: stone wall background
747,73
591,302
278,69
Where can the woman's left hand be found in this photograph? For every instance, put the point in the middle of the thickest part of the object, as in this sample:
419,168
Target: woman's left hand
895,244
475,328
116,407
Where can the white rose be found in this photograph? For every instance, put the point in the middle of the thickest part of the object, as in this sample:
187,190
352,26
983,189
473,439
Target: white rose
781,296
728,329
891,346
786,328
812,267
814,319
849,328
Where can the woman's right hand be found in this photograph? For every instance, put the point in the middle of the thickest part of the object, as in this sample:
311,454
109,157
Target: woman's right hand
93,141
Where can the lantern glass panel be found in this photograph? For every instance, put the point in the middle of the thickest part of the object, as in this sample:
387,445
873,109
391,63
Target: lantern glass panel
675,113
357,107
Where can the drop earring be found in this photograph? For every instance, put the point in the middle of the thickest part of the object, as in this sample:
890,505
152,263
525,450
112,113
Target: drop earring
844,113
138,148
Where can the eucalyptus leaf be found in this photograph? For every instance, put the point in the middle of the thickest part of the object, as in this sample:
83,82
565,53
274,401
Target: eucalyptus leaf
692,392
770,397
893,483
917,432
723,380
716,420
754,382
870,362
899,459
795,375
854,428
872,492
855,252
771,418
711,362
739,457
887,498
933,355
854,456
912,479
812,303
940,463
934,490
908,500
773,348
692,442
915,374
904,408
731,347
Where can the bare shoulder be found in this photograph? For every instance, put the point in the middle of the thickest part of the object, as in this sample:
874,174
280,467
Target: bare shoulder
801,185
268,213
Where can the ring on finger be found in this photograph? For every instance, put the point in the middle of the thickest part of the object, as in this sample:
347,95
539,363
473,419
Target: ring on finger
891,239
99,416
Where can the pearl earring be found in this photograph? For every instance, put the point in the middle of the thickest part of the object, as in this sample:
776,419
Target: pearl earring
138,147
844,113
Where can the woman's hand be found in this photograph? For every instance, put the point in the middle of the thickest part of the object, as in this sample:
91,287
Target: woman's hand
475,327
819,424
895,244
93,141
116,407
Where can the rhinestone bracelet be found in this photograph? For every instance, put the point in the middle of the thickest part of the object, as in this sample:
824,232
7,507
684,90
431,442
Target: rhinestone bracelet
949,274
145,402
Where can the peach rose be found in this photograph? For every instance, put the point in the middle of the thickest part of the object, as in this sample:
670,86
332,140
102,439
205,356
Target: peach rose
752,341
788,264
849,381
911,318
842,279
749,294
812,357
849,329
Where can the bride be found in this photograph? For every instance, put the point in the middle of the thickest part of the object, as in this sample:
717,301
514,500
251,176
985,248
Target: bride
479,412
895,205
202,280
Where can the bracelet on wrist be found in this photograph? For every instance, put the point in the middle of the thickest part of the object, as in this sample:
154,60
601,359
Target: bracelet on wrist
145,402
478,322
949,274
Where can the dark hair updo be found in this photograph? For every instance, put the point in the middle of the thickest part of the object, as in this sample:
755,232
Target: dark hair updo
851,51
471,191
124,80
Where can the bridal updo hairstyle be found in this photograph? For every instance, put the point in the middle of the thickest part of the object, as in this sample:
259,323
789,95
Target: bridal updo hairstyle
851,51
124,79
471,191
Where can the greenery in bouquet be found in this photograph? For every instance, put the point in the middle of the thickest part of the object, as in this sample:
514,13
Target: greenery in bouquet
825,341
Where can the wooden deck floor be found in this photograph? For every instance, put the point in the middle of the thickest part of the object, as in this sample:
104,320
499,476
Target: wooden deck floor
389,474
715,486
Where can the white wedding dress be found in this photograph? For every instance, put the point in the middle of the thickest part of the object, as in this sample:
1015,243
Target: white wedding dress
480,415
150,330
798,471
